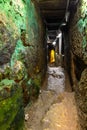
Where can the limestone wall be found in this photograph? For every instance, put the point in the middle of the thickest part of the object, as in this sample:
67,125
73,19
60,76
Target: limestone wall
22,59
78,42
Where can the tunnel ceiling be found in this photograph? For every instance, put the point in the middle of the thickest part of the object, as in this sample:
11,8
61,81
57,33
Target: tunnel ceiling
53,11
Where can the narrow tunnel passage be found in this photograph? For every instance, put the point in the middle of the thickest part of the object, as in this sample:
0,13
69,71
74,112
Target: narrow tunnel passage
43,64
55,108
56,16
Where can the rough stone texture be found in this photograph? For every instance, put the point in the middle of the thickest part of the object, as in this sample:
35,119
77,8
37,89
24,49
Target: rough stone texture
82,99
21,59
35,52
11,104
78,42
78,32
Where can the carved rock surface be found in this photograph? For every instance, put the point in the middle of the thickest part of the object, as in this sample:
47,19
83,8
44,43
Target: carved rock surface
78,42
22,59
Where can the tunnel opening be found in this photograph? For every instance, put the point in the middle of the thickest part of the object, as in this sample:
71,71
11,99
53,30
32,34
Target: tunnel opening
56,17
58,53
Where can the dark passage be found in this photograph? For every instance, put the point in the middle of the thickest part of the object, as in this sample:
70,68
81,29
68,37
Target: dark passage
55,107
60,19
43,65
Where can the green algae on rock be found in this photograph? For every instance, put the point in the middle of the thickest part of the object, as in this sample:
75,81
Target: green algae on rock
19,53
6,88
15,11
21,59
10,103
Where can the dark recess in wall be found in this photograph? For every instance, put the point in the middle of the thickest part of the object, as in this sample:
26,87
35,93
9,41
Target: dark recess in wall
67,54
79,67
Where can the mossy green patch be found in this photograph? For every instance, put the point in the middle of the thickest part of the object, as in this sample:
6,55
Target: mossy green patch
9,109
33,27
6,82
19,53
7,88
15,11
82,23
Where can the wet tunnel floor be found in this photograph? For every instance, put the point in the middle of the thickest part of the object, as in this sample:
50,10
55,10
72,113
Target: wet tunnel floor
55,109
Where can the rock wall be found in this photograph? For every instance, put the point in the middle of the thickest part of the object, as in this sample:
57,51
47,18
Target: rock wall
78,42
22,59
